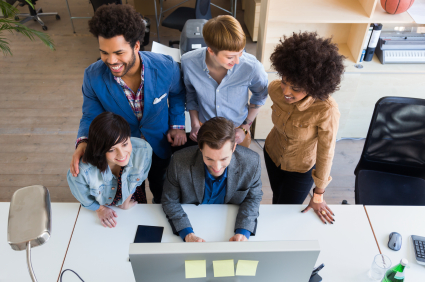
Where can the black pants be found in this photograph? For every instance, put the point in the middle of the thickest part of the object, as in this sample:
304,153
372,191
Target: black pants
288,187
189,143
158,170
156,176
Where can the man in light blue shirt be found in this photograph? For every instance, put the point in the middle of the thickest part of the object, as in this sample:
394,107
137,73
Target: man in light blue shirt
217,79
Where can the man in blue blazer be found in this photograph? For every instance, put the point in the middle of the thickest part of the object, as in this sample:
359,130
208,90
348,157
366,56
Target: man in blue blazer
143,87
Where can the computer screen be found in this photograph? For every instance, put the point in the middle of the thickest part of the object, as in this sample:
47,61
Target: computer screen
224,261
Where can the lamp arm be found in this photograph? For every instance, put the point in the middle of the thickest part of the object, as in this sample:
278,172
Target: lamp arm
31,271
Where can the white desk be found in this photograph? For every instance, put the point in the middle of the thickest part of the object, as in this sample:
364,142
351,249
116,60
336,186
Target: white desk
101,254
46,259
405,220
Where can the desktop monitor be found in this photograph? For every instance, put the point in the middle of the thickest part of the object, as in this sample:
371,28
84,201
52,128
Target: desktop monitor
277,260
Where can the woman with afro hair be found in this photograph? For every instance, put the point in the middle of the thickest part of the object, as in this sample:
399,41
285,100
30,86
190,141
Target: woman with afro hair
299,149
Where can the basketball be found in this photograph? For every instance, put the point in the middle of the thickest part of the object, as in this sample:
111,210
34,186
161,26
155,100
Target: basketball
396,6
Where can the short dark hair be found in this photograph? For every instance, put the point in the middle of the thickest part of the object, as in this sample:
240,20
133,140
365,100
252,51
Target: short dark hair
113,20
215,132
309,62
106,130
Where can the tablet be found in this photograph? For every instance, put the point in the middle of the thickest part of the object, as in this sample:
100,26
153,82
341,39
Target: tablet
148,234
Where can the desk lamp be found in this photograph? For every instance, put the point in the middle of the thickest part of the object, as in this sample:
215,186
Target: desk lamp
30,220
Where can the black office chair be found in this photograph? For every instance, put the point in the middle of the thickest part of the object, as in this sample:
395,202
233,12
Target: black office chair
34,14
97,3
391,170
179,16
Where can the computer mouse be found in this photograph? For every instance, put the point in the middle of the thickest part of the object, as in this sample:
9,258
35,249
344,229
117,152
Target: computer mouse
394,242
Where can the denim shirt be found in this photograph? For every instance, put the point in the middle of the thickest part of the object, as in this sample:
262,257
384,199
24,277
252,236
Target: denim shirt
93,188
228,99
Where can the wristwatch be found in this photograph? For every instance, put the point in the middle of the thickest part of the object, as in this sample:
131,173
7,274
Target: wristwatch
317,197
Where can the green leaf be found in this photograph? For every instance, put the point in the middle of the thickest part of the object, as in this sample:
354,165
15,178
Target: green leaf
7,9
13,26
4,47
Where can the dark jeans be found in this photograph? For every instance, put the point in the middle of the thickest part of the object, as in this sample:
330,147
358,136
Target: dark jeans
156,177
288,187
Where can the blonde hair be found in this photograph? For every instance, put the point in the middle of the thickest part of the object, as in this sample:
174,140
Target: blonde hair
224,33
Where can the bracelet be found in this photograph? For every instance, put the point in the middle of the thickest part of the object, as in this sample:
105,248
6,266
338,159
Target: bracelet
81,141
318,193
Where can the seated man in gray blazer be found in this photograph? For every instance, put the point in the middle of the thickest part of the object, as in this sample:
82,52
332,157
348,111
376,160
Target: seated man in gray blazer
216,172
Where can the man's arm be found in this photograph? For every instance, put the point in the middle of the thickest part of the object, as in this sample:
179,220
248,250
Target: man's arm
176,106
191,105
253,111
176,98
91,109
258,87
195,124
248,210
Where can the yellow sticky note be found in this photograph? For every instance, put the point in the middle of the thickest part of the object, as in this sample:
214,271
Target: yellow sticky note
195,268
224,268
246,267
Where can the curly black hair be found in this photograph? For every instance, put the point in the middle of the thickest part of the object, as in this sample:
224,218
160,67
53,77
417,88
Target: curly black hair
309,62
113,20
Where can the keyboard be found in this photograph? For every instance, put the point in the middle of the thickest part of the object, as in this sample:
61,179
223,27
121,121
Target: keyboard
419,248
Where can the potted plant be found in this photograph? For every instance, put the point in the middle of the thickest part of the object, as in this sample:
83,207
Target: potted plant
7,23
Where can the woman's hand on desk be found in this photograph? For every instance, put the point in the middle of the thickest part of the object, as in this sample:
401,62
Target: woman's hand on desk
106,216
191,237
322,210
238,237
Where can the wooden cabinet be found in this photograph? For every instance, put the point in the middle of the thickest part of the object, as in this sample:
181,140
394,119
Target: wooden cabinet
346,21
252,17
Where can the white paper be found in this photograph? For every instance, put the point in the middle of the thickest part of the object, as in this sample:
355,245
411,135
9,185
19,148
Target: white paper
162,49
417,11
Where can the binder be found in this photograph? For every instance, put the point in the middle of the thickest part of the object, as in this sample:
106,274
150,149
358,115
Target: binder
377,28
366,42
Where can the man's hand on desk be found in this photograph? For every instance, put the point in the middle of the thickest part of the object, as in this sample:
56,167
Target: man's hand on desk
191,237
106,216
238,237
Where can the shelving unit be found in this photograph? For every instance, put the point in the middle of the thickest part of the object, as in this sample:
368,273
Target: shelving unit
346,21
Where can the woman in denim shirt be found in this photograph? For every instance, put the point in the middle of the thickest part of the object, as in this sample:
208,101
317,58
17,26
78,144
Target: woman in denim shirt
112,169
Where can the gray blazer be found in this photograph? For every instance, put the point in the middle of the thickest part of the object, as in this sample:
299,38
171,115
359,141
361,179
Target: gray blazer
185,184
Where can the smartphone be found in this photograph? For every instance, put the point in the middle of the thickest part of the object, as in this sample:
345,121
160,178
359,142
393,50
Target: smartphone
148,234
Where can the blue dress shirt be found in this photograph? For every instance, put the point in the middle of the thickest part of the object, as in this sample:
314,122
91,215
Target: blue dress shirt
215,191
228,99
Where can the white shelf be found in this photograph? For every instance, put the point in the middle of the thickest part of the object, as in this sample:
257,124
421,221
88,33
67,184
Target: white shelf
330,11
380,16
375,66
318,11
